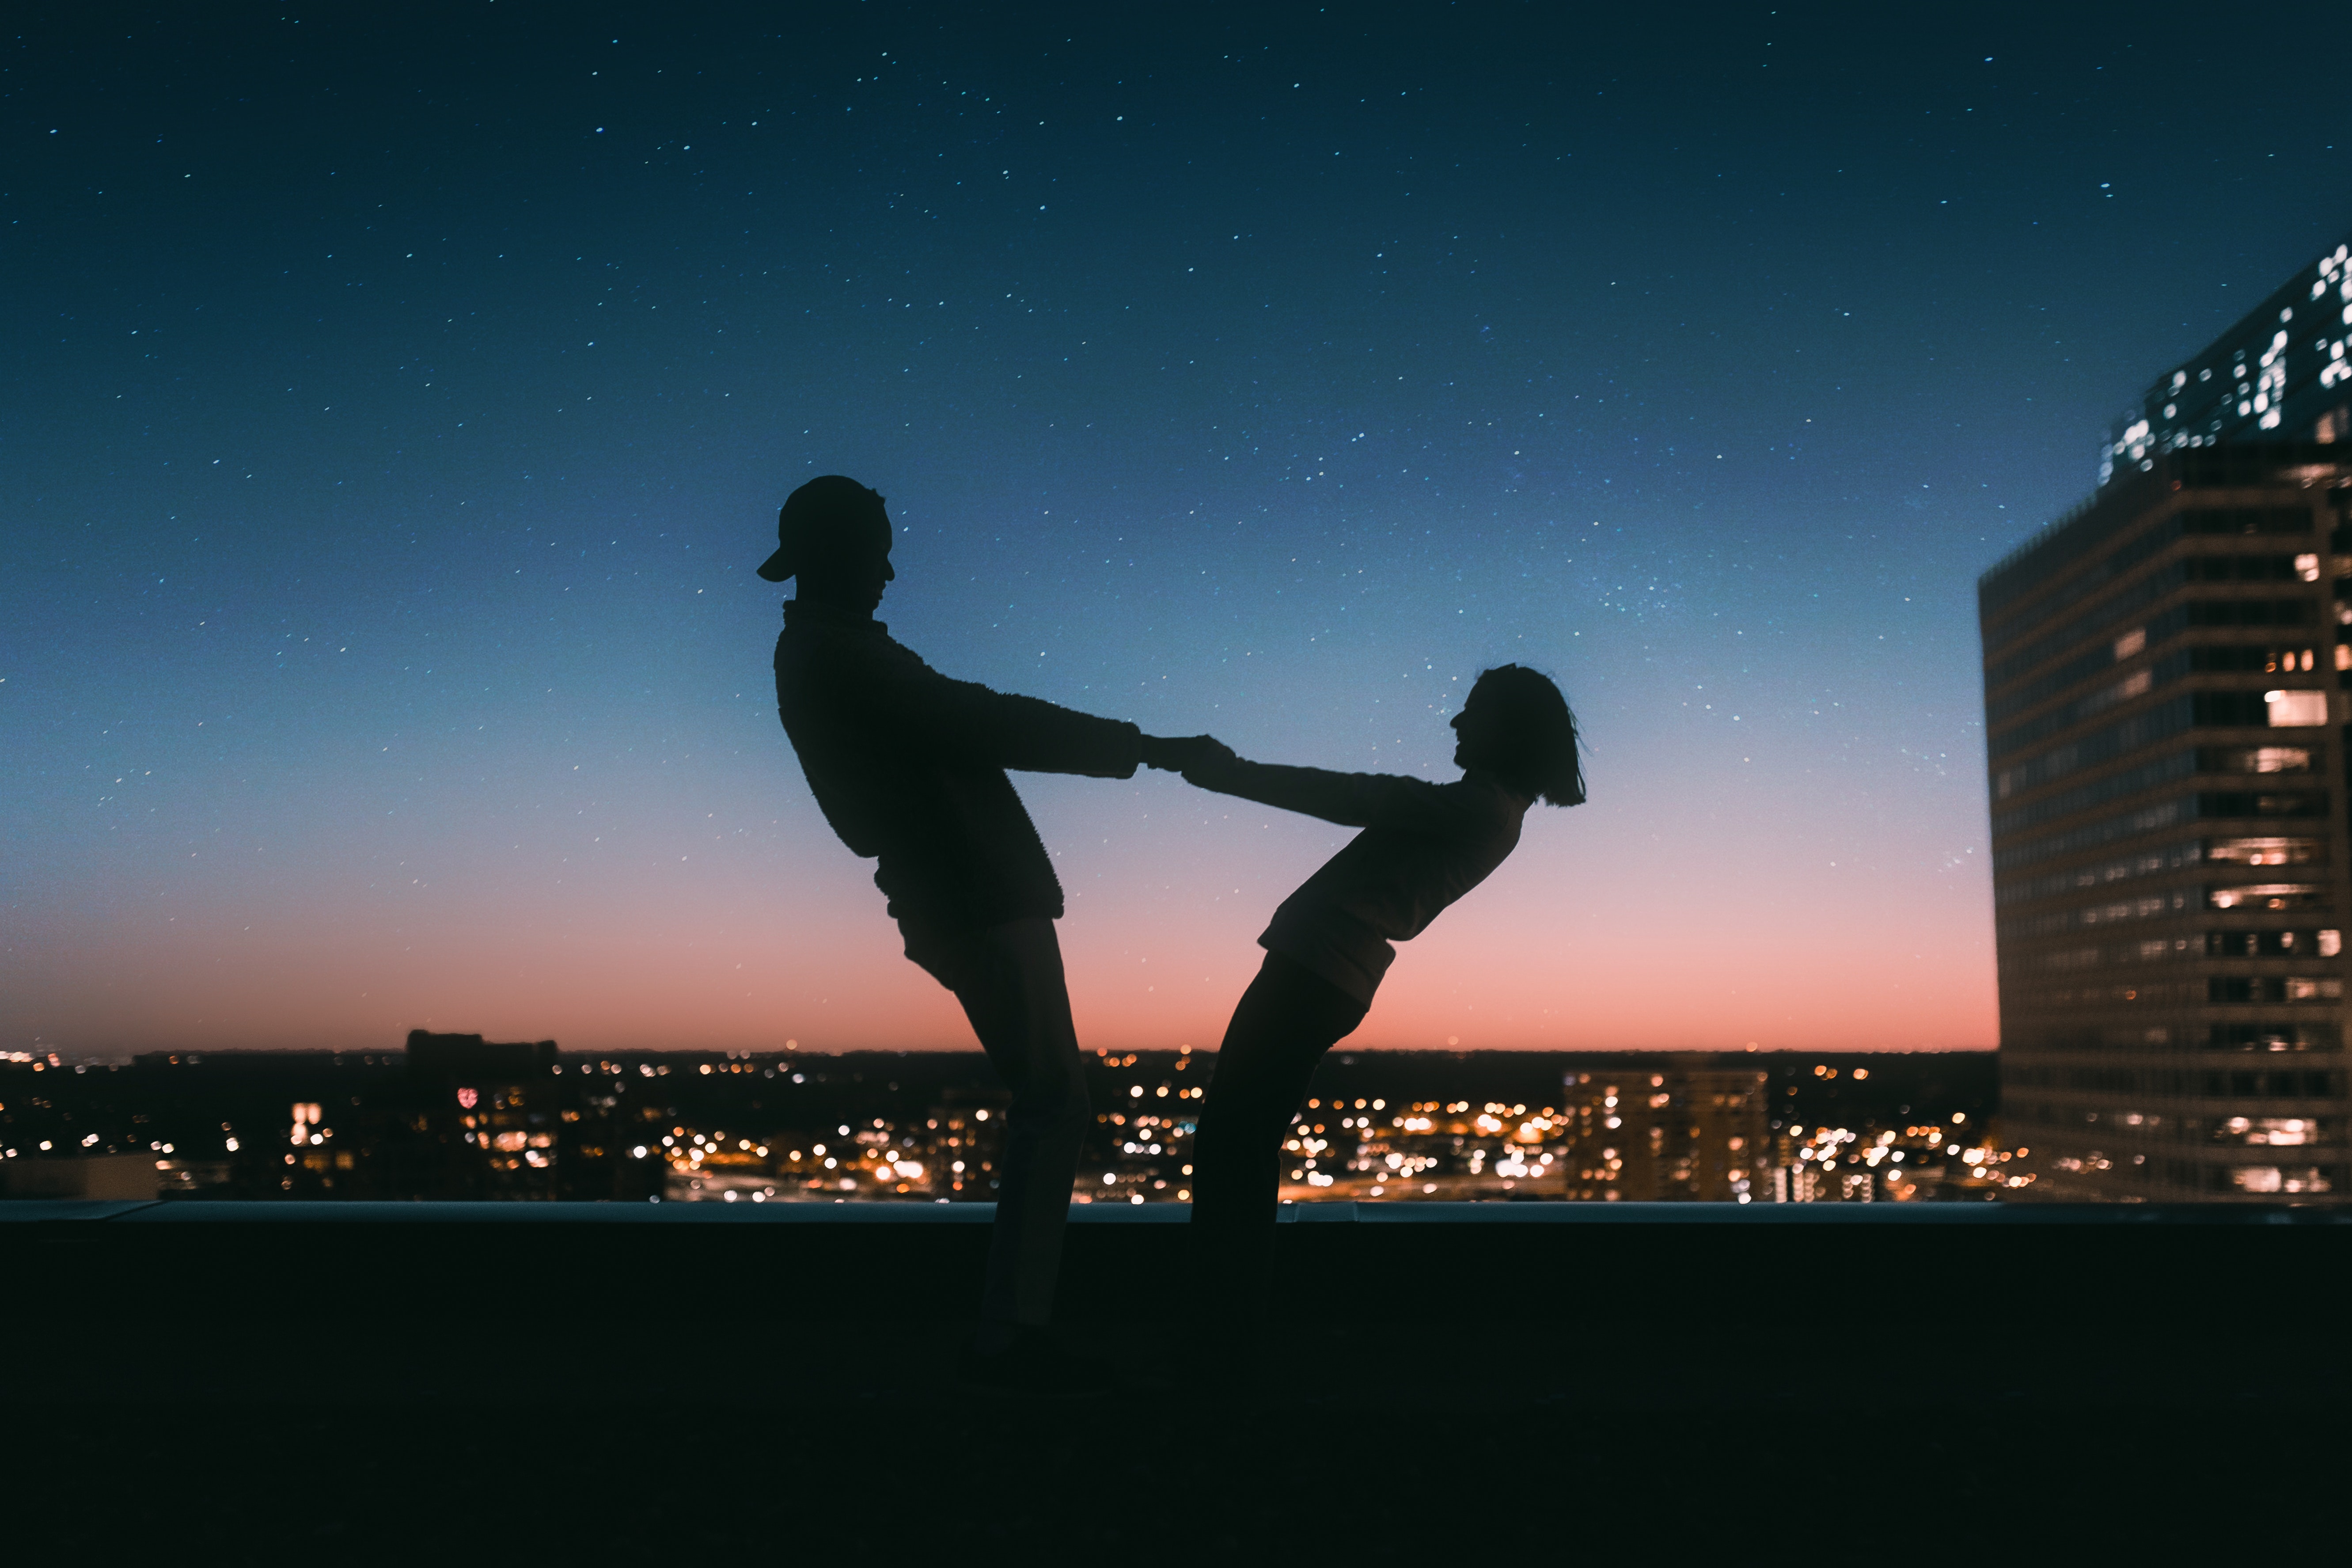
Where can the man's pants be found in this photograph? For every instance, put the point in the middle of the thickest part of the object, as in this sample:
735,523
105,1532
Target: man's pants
1009,979
1285,1022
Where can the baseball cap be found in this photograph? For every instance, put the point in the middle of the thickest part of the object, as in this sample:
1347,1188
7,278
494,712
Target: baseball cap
821,517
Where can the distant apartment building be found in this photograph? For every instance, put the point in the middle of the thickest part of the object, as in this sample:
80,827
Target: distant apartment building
1663,1132
488,1120
2166,743
487,1114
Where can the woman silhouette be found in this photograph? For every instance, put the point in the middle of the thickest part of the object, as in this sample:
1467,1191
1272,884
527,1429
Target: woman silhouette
1424,845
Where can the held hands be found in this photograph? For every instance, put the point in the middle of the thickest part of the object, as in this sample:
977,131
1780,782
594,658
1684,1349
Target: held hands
1185,754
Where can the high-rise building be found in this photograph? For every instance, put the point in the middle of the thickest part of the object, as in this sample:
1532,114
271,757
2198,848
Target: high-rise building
2166,744
2282,373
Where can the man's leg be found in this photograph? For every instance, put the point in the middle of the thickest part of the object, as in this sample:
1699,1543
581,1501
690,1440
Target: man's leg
1285,1022
1009,979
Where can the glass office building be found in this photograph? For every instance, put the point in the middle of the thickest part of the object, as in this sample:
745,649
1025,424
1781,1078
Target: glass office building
2164,704
2283,373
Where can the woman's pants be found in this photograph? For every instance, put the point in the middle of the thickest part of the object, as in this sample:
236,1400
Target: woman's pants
1285,1022
1009,979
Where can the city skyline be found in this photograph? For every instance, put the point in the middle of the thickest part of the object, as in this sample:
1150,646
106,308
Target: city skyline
454,1117
383,504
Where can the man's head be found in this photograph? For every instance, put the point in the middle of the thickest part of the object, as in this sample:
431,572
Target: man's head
835,536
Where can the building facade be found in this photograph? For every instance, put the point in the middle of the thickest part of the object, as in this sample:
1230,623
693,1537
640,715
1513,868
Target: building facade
2165,674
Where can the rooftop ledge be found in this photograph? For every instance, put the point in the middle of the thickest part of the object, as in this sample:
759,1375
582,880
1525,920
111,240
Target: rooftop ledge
857,1307
182,1212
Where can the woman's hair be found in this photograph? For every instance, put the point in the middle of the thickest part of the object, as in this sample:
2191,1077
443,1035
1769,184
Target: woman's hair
1535,750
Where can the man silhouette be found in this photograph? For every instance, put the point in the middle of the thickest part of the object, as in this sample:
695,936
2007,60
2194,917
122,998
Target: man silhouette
908,767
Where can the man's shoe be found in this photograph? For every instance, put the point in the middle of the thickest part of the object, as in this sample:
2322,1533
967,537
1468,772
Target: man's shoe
1034,1364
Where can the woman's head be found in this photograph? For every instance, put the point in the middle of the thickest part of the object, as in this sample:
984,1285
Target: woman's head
1517,726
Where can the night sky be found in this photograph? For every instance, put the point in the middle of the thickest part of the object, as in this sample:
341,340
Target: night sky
397,406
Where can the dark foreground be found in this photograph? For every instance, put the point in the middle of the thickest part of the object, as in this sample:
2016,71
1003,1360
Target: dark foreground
362,1383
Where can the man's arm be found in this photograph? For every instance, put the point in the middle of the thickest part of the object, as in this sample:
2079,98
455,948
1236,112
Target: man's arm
964,720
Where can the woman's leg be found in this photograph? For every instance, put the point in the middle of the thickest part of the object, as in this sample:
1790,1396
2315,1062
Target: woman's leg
1285,1022
1009,979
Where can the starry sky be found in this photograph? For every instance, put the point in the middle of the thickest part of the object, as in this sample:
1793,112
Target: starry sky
397,405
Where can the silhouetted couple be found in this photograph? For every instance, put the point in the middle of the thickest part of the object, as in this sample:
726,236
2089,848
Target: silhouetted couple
909,766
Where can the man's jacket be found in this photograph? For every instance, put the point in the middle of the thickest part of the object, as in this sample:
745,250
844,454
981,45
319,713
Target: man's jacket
908,767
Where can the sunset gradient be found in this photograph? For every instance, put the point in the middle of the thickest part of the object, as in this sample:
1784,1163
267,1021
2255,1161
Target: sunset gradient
403,405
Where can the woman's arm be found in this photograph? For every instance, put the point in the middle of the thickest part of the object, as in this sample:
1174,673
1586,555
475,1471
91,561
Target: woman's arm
1351,800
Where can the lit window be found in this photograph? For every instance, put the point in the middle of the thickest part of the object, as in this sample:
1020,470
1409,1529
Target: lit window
2267,895
2296,709
2264,851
